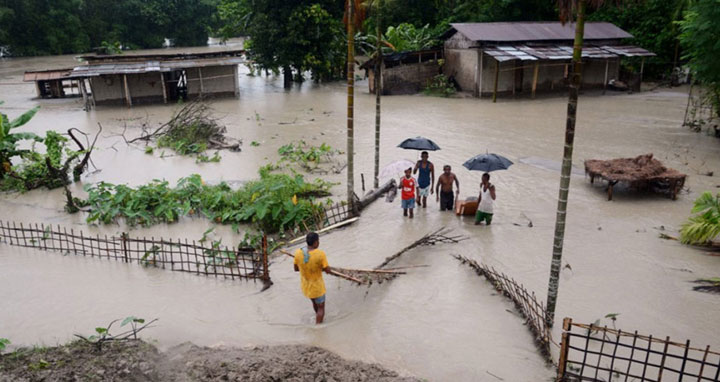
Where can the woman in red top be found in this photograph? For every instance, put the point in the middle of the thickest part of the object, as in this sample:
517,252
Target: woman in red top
408,186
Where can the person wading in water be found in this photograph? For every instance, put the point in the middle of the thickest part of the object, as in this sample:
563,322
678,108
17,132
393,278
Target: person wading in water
426,179
311,262
445,189
485,201
408,186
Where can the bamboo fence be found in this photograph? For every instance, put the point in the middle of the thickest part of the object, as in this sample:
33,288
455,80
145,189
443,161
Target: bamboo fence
593,353
175,255
526,302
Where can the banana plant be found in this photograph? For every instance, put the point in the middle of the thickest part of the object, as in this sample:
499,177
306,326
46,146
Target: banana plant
9,140
704,227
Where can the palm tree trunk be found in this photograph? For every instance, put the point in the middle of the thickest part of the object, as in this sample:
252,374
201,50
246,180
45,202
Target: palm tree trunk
350,105
378,92
554,281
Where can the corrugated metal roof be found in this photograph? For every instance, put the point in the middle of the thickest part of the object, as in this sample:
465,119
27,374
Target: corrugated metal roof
537,31
93,70
162,56
504,53
46,75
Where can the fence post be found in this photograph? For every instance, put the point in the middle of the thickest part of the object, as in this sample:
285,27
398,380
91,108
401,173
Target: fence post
266,268
124,243
564,346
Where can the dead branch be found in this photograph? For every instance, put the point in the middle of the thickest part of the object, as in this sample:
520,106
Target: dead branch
438,237
360,276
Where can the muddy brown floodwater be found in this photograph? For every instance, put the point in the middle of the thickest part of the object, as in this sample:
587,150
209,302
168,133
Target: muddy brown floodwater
441,322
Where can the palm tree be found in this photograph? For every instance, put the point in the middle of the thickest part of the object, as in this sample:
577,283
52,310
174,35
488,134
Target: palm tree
566,9
704,227
354,16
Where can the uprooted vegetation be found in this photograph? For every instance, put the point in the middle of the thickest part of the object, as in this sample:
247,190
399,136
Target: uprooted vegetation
311,158
191,131
34,169
275,202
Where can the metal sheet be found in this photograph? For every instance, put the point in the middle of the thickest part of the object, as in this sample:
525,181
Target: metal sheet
629,51
504,53
46,75
537,31
94,70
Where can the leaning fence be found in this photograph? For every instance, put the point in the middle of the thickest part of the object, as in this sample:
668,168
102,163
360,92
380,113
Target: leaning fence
533,311
176,255
594,353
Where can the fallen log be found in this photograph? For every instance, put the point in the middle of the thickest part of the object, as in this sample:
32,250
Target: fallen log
375,194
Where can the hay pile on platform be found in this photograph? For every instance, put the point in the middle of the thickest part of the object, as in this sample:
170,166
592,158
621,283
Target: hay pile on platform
642,173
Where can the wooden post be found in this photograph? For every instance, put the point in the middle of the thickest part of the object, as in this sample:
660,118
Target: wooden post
536,71
480,73
128,99
564,346
266,268
642,67
124,245
162,81
607,66
236,81
514,83
497,75
81,85
202,87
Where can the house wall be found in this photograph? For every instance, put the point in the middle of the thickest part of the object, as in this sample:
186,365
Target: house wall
505,77
107,89
145,87
461,64
408,78
217,80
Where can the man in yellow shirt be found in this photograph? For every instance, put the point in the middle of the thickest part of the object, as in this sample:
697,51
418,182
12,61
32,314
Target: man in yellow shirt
310,262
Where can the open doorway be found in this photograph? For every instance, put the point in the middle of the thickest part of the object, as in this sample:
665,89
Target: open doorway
176,85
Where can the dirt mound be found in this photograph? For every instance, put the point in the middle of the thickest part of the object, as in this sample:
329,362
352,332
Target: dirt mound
139,361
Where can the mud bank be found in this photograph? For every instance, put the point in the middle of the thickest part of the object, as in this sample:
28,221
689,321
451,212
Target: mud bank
141,361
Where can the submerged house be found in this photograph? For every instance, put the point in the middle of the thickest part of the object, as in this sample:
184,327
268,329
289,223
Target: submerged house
404,72
513,57
143,78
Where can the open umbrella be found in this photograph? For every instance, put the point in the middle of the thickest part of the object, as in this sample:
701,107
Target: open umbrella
395,168
487,163
419,143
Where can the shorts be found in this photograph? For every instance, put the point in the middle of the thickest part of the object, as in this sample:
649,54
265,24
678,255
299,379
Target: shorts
447,200
480,216
408,203
424,192
318,300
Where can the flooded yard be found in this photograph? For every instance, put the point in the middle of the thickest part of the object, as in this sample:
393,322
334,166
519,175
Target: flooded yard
440,322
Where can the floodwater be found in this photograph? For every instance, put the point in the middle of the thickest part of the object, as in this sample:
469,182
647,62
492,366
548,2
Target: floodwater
440,322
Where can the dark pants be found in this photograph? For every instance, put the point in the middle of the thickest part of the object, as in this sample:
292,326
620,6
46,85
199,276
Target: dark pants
447,200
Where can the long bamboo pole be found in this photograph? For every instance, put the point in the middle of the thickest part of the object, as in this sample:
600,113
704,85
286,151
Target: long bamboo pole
554,281
350,104
378,93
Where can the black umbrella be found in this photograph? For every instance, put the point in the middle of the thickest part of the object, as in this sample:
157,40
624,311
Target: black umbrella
487,163
419,143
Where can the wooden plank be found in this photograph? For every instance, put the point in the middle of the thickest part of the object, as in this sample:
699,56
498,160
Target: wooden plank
202,86
497,75
128,99
536,71
162,81
607,66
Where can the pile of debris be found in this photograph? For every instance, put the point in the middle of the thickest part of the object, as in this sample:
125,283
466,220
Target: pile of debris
641,173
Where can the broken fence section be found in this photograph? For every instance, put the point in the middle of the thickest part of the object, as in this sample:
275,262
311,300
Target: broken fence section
533,311
593,353
176,255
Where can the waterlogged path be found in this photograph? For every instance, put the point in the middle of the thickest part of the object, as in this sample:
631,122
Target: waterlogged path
440,322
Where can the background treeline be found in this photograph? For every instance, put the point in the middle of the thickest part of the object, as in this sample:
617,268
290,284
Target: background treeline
43,27
299,35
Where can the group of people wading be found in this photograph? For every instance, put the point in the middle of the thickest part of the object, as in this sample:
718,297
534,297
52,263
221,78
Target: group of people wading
416,191
311,261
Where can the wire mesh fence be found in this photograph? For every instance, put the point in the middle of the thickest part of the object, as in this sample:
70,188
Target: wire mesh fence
526,302
176,255
594,353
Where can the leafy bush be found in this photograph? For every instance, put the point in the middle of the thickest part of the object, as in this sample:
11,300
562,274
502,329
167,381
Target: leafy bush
275,202
307,156
705,225
9,140
440,86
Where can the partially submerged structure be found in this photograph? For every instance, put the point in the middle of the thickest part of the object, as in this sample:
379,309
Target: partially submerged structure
141,78
55,83
404,72
643,173
513,57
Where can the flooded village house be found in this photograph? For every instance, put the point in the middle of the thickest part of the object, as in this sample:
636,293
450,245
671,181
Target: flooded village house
513,57
129,79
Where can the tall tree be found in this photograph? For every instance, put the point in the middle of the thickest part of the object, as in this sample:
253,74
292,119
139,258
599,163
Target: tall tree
567,9
354,17
699,37
378,90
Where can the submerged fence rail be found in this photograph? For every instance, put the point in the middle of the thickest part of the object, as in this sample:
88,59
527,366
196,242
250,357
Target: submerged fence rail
533,311
176,255
594,353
